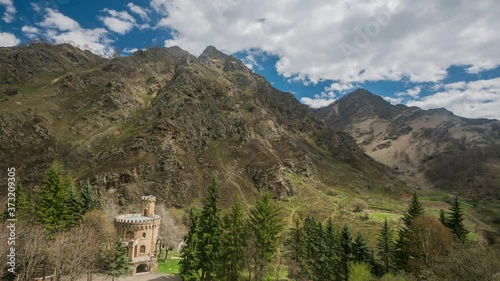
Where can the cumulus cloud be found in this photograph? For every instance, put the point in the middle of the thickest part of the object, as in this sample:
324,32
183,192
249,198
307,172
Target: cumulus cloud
130,50
411,93
10,10
8,39
348,41
30,31
119,22
474,99
62,29
319,100
143,13
393,100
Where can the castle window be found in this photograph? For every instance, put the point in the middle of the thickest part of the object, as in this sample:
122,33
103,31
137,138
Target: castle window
129,236
144,235
142,249
145,212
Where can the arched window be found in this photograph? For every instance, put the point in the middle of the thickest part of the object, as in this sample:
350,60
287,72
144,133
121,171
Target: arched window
129,236
144,235
145,212
142,250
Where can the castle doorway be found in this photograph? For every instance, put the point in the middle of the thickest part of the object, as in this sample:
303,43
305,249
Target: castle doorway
142,268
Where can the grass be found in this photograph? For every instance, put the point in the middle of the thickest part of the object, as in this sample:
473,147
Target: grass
171,265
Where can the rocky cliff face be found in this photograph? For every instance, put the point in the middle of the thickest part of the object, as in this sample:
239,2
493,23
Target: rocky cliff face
454,153
160,121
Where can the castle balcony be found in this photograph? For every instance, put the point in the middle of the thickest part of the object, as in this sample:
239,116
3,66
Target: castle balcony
143,259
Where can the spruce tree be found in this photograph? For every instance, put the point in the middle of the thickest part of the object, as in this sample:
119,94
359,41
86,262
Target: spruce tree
234,243
455,221
311,246
53,206
296,247
385,246
265,224
210,232
402,253
190,255
345,253
360,251
332,252
442,218
115,260
88,200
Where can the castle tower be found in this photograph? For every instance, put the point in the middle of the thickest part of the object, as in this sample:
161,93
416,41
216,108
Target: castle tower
148,206
139,233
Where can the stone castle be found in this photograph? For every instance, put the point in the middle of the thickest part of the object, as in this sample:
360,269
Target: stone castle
140,234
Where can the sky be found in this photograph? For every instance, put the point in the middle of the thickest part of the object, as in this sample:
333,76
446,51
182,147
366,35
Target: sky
427,53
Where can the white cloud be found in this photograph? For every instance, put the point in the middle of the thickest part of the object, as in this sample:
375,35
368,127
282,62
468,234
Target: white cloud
393,100
62,29
340,87
119,22
319,100
383,40
140,11
8,39
130,50
30,31
10,10
476,99
411,93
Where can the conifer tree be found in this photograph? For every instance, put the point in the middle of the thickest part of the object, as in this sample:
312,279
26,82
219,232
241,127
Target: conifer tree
345,253
53,206
296,245
88,200
332,251
455,221
385,246
210,232
402,252
360,251
234,243
442,218
265,224
312,251
115,260
190,255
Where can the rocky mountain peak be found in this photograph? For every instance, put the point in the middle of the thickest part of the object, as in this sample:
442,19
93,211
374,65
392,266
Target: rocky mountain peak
211,52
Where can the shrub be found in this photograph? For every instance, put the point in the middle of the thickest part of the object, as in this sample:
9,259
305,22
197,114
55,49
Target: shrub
358,205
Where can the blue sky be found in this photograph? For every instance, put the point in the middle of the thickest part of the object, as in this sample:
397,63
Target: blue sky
429,53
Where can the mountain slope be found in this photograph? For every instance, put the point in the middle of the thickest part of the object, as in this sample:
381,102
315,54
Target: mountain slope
160,121
454,153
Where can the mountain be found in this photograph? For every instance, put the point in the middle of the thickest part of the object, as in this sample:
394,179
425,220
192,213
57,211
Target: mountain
451,152
162,120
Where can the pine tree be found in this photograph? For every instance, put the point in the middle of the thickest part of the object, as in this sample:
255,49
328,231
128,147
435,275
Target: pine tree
265,224
311,246
402,254
332,252
190,255
53,205
442,218
115,260
415,209
88,200
455,221
385,246
345,253
234,243
296,246
74,212
360,251
210,232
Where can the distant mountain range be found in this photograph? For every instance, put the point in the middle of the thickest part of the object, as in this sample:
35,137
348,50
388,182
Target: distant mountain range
453,153
162,120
